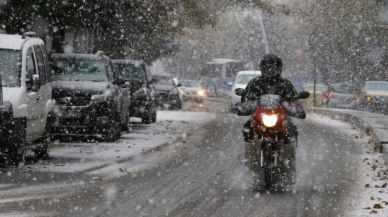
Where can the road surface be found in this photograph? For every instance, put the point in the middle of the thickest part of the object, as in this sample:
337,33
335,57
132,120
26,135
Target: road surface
198,175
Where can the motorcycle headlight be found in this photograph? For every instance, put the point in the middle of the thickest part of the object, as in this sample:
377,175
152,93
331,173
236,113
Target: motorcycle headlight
174,91
269,120
201,92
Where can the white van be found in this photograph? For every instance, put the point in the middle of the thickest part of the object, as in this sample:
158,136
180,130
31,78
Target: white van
26,81
242,80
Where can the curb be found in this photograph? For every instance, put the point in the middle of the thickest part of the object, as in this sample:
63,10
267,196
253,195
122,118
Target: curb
382,145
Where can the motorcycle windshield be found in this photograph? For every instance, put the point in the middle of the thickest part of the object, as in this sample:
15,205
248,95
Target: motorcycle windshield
270,102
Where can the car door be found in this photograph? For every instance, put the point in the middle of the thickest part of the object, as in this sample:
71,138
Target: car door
33,98
45,87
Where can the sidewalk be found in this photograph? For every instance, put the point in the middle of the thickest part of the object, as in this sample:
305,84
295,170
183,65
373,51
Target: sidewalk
375,125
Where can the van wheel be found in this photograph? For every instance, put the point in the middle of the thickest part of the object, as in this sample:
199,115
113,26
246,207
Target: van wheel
43,149
17,154
114,131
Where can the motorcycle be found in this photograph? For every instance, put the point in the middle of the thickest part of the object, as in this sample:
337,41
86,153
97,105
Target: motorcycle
268,156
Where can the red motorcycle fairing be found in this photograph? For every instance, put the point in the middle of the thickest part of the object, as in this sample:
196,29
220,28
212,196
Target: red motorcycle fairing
258,125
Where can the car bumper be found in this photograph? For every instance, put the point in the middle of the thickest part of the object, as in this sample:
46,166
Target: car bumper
12,128
94,119
163,98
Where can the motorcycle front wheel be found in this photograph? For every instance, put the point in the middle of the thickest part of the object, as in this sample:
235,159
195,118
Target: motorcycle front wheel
268,166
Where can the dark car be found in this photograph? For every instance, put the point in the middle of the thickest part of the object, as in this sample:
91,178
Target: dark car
137,77
89,98
342,95
167,93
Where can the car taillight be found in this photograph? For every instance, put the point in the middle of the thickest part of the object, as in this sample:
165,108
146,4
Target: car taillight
357,96
222,84
330,95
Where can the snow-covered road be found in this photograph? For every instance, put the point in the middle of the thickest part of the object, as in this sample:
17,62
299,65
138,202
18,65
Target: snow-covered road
200,174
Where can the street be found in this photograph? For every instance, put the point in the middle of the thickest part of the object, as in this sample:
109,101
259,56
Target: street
197,174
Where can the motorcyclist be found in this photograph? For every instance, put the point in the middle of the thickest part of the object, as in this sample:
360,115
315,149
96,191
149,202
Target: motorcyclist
271,82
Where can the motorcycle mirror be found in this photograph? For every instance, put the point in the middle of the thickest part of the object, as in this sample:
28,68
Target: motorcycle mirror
303,95
239,91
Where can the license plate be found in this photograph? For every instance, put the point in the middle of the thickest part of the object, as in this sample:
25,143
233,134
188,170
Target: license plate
71,113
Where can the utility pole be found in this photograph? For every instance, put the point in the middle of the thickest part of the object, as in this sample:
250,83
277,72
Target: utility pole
315,87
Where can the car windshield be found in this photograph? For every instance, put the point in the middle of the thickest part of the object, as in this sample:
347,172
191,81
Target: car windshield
344,89
79,70
377,86
130,71
318,88
245,78
164,81
190,84
10,63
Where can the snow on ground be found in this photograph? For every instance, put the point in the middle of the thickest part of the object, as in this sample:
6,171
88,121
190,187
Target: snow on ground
371,195
87,157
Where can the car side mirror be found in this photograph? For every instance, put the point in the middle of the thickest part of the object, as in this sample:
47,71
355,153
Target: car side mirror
239,92
303,95
230,84
33,84
179,85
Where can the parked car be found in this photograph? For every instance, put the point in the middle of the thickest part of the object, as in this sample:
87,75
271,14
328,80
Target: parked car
374,97
242,80
193,91
167,93
137,77
89,97
26,81
320,98
342,95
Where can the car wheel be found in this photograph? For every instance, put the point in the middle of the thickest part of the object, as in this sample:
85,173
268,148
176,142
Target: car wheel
114,131
43,149
17,154
127,123
179,105
154,116
147,119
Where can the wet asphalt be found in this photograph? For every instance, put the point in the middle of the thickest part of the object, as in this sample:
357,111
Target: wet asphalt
203,176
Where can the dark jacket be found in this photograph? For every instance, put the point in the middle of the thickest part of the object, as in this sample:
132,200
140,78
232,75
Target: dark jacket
276,85
264,85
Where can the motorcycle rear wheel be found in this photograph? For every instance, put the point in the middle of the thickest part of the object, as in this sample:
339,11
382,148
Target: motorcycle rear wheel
268,167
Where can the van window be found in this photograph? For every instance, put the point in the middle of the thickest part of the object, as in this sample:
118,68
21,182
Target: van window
41,65
10,61
30,67
46,63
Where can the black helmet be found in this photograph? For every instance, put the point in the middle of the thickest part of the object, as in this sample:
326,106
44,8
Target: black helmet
271,65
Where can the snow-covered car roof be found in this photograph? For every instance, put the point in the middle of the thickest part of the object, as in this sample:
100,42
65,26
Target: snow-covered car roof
76,56
249,73
123,61
15,42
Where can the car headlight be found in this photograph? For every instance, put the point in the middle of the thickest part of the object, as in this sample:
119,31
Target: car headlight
99,98
201,93
7,107
139,93
269,120
174,91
